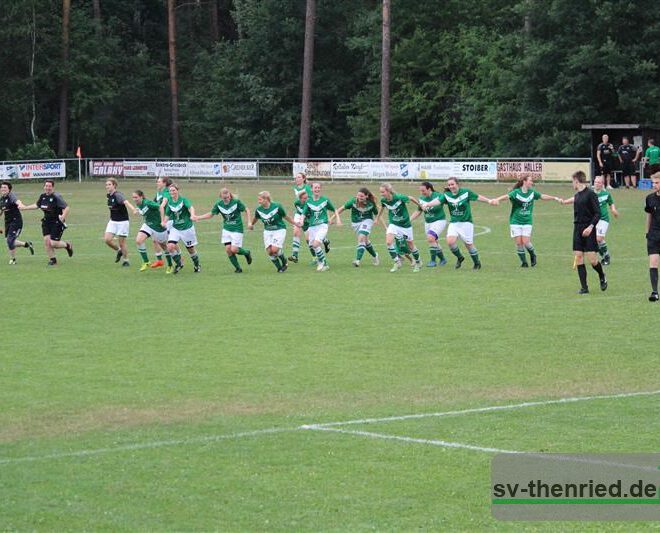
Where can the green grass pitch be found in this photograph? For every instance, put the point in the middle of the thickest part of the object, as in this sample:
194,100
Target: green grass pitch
136,400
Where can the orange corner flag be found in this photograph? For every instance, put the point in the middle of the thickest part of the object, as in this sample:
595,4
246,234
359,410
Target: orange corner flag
78,153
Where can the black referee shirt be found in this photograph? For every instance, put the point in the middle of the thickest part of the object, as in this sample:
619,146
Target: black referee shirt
627,152
652,207
52,205
9,206
606,151
585,208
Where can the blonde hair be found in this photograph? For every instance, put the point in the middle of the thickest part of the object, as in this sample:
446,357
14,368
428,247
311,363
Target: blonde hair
113,181
387,186
264,194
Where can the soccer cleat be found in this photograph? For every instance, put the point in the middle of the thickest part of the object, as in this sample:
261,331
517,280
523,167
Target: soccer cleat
293,258
533,260
169,270
396,266
29,246
325,268
248,258
417,266
125,264
583,290
157,264
283,267
177,268
459,262
376,260
326,245
52,262
477,266
12,261
356,263
443,262
524,265
603,284
606,260
431,264
321,266
118,256
197,268
238,271
654,297
69,249
145,266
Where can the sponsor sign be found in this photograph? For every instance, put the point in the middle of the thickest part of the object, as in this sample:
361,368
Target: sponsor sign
563,170
351,170
8,172
107,168
172,169
205,170
242,169
471,170
394,170
514,170
51,169
314,170
139,169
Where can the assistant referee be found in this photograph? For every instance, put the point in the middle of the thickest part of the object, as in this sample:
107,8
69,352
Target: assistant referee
652,209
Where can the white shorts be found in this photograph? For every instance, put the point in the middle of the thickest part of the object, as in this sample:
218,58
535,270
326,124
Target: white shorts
363,227
169,225
398,231
317,233
188,236
158,236
436,227
274,238
520,230
232,237
298,218
462,230
601,228
120,229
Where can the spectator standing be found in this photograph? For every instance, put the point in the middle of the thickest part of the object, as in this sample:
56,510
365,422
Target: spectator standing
628,157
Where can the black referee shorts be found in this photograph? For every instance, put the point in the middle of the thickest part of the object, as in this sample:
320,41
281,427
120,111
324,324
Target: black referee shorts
584,244
628,168
52,228
606,168
653,243
12,231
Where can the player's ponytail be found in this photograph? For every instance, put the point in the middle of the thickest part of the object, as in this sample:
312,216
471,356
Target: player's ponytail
368,194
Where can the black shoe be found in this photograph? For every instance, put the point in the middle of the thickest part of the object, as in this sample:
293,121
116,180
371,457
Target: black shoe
326,245
283,267
583,290
293,259
238,271
125,264
69,249
118,256
197,268
606,260
603,284
29,246
654,297
248,258
533,260
459,262
524,265
477,266
177,268
52,262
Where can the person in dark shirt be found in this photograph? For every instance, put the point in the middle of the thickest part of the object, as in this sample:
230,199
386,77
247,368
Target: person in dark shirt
118,224
586,214
55,211
10,206
628,157
652,208
605,158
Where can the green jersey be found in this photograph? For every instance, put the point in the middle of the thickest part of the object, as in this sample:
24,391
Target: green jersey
231,213
604,199
316,211
179,212
436,212
272,217
162,194
303,188
653,153
522,205
397,210
150,210
300,210
359,213
459,204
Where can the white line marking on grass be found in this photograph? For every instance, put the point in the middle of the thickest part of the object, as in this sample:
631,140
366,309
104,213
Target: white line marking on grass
145,445
481,409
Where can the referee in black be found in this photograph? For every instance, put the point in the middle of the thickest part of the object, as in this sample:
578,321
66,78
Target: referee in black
586,214
652,209
10,206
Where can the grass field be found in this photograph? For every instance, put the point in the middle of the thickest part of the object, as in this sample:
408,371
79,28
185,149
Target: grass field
207,401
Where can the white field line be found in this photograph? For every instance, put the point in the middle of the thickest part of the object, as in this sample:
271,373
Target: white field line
481,409
146,445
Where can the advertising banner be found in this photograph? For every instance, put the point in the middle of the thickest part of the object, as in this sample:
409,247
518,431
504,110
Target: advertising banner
563,170
107,168
51,169
351,170
204,170
390,170
314,170
470,170
172,169
134,169
514,170
239,169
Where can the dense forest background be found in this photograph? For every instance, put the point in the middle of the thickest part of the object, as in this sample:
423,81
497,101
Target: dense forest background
468,77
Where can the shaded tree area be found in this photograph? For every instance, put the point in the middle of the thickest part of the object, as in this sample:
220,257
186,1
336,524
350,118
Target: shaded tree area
468,78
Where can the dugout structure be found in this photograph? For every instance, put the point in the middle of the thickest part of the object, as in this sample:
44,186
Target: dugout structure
638,134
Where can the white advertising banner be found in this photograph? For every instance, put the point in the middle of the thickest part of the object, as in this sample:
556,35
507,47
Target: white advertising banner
51,169
389,170
172,169
351,170
471,170
107,168
239,169
313,169
139,169
204,170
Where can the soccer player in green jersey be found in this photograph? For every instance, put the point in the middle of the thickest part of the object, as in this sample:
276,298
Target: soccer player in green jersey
434,223
363,208
232,228
181,212
604,199
460,224
399,224
316,214
301,185
273,216
151,227
162,195
522,198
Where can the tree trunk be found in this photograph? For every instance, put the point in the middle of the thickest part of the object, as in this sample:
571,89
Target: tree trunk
385,85
64,89
308,70
215,23
32,61
174,84
96,7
